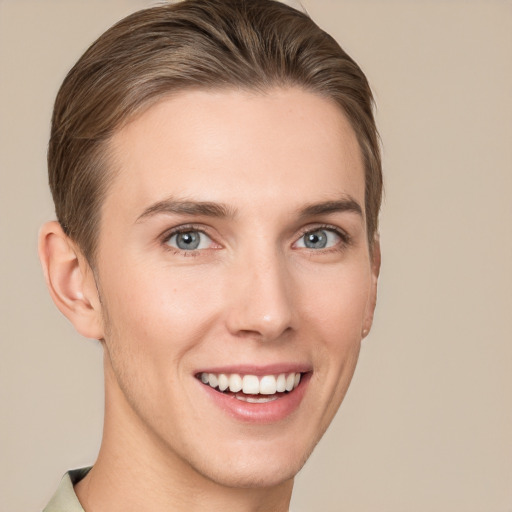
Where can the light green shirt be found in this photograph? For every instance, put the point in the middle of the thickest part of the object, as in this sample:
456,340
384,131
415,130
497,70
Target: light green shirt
64,499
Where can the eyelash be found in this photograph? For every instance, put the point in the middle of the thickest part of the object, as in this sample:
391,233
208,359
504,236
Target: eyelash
186,228
345,238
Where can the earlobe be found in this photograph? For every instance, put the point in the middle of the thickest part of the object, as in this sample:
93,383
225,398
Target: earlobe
372,299
70,280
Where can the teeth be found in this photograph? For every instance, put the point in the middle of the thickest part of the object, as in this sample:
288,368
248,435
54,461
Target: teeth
212,380
223,382
252,385
256,400
290,381
268,385
235,383
281,383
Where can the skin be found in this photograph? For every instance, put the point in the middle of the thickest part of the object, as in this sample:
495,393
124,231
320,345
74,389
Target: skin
253,293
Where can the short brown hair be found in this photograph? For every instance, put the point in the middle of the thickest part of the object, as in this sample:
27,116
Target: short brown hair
248,44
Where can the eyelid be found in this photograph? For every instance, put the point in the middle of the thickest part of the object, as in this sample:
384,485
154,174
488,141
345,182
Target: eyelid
346,239
185,228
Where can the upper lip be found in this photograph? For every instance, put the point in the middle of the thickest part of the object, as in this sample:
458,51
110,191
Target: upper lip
251,369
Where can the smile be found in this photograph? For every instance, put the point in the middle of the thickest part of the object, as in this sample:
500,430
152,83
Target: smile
247,387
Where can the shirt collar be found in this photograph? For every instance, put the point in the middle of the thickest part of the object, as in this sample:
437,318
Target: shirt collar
65,497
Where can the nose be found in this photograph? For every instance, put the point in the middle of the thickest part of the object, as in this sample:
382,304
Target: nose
260,298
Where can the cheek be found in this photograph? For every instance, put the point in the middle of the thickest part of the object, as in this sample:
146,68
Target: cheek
339,301
159,314
336,312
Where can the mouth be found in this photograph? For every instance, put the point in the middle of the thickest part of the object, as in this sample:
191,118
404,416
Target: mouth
252,389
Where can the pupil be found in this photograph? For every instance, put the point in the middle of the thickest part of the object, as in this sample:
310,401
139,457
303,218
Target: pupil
188,240
316,240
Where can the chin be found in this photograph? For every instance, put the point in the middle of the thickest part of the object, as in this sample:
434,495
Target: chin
254,467
253,476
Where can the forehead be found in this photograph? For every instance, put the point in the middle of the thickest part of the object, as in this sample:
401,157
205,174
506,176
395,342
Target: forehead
238,147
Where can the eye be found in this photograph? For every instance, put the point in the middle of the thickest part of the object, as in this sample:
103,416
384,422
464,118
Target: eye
319,239
189,240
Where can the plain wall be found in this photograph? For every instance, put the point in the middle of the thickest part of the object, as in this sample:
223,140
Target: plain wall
427,423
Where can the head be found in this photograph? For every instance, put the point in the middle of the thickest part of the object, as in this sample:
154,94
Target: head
217,181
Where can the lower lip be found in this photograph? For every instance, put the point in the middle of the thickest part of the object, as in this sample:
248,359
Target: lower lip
267,412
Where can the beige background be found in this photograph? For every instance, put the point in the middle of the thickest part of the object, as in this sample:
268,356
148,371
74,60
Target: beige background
427,424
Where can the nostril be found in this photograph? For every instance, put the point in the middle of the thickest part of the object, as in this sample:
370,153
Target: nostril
264,334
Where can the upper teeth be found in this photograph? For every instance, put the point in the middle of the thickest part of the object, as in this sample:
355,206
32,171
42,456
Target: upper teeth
252,384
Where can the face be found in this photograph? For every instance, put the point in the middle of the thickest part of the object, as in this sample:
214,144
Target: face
235,280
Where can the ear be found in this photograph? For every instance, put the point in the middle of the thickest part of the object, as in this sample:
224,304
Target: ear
70,280
372,298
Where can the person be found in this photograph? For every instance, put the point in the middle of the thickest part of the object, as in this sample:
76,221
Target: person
217,180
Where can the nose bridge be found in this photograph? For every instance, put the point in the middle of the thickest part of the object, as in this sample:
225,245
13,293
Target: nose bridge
261,298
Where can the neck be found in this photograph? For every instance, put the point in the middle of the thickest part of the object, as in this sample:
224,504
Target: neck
135,471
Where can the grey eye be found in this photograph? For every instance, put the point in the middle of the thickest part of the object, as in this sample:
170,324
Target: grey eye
315,240
189,240
318,239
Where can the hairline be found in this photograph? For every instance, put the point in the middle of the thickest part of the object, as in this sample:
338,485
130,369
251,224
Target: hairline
106,158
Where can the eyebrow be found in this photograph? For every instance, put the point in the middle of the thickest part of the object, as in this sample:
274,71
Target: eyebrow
210,209
184,207
347,204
